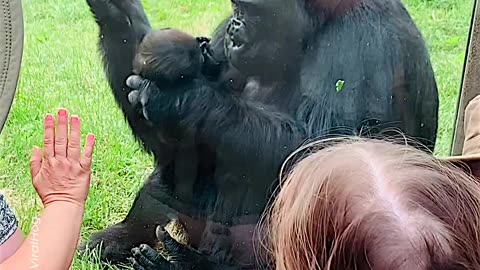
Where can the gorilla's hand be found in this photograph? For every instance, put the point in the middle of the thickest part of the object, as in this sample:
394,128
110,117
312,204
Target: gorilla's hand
118,16
143,90
174,255
159,106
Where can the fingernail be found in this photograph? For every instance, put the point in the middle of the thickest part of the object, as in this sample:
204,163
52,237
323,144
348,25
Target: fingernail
62,112
91,138
75,119
49,117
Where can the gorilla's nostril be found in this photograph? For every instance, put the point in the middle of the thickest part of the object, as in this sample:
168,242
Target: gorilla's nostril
236,23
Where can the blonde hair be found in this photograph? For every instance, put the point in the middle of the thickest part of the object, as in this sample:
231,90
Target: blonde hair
370,204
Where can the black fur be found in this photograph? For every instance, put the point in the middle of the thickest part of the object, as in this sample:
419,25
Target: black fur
294,52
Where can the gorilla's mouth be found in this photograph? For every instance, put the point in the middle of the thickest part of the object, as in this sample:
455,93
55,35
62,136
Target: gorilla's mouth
232,47
234,43
235,46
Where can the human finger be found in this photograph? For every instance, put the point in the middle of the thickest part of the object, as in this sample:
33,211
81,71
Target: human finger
61,135
35,162
48,136
86,160
73,150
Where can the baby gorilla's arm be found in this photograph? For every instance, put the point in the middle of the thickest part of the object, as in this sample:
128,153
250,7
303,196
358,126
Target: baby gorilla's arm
210,66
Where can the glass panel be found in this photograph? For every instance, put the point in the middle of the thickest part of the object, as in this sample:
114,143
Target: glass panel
221,116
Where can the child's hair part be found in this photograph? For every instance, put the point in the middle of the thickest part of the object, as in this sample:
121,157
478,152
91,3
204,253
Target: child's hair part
370,204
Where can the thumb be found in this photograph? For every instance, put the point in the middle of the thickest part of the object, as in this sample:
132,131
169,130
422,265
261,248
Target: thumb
35,162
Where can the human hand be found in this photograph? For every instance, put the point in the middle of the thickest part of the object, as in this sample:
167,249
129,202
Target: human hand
62,173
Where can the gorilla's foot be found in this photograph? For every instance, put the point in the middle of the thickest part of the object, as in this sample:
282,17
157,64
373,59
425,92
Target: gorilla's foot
115,243
171,255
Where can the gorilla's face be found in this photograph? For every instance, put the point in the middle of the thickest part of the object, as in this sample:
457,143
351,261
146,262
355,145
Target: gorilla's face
263,36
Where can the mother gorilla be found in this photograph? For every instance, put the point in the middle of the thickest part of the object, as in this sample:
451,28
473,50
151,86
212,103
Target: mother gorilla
319,67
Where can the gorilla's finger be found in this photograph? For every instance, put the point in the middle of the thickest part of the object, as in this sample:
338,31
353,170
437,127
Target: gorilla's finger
152,255
149,258
172,247
142,260
135,82
135,264
134,97
105,10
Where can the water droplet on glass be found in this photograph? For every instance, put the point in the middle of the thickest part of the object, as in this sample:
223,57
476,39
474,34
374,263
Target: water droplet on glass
124,41
422,124
101,36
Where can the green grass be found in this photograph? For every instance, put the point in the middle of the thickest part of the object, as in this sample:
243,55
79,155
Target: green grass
61,68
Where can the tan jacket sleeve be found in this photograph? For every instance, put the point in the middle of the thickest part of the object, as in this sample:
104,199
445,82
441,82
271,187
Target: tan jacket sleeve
472,128
470,158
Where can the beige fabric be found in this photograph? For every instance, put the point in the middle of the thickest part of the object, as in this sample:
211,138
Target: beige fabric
11,50
471,144
470,83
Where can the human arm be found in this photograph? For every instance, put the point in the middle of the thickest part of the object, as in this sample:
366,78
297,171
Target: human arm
52,241
11,237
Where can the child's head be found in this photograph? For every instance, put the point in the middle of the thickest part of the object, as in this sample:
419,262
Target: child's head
368,204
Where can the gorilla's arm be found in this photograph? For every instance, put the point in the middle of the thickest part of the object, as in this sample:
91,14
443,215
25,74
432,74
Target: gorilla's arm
253,137
122,25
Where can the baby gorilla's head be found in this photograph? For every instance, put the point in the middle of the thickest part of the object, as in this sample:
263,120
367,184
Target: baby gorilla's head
168,56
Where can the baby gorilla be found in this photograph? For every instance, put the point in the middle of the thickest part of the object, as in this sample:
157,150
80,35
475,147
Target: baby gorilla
169,56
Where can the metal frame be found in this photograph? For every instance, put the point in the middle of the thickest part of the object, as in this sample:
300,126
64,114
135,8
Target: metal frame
470,86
